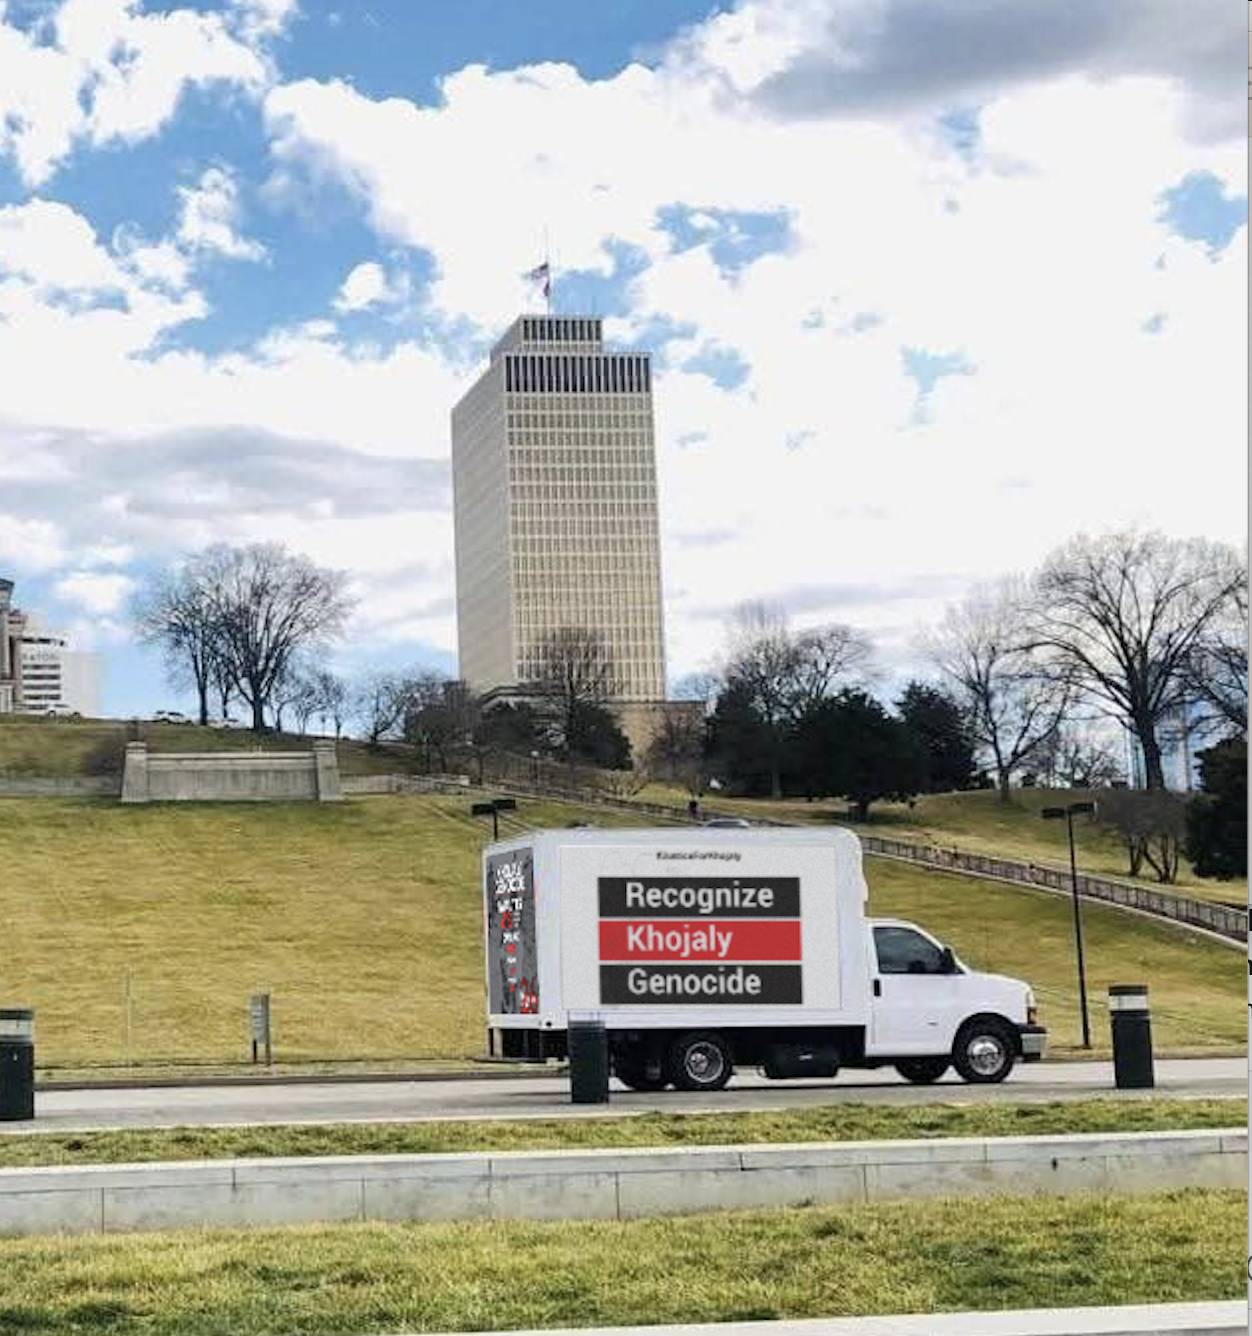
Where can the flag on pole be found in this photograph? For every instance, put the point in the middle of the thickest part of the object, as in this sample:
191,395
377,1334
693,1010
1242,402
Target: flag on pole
540,272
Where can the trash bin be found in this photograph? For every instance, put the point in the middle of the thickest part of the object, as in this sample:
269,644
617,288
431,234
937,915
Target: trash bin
17,1064
588,1062
1132,1036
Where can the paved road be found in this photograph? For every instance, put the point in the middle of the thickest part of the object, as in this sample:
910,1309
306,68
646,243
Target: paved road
531,1097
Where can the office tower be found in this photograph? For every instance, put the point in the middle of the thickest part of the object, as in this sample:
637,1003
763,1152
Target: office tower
555,507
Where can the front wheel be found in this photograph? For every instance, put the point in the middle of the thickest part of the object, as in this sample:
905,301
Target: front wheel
985,1051
699,1061
923,1071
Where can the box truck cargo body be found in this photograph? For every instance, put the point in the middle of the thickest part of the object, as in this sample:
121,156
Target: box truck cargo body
702,950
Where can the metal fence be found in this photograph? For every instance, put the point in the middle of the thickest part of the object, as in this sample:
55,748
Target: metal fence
1217,918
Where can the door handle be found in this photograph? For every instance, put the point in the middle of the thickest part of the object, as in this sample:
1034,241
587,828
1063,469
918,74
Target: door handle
877,987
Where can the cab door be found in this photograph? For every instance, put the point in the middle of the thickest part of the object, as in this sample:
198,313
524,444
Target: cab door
916,993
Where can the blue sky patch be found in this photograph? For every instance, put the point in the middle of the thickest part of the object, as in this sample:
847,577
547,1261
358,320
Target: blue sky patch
1199,209
734,238
724,366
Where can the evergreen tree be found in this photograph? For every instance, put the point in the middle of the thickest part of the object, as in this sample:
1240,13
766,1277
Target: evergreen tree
1217,819
942,726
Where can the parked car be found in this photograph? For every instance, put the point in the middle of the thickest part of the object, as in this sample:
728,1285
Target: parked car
728,823
170,717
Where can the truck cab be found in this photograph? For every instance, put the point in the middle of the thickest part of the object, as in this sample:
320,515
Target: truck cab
929,1010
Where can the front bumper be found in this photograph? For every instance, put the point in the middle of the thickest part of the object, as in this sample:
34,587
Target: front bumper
1033,1040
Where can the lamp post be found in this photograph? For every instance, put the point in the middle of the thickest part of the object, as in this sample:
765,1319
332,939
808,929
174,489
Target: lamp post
1069,811
493,810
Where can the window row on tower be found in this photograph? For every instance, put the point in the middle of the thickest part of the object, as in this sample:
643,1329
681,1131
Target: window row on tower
561,329
547,374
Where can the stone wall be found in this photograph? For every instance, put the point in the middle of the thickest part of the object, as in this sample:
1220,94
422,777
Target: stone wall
231,776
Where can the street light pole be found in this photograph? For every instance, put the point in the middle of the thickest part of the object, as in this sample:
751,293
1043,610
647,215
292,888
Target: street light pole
1082,968
1068,812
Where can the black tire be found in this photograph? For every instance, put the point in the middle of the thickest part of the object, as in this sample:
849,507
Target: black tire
635,1075
923,1071
985,1051
699,1060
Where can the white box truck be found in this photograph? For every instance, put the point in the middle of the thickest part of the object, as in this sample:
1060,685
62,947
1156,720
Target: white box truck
703,950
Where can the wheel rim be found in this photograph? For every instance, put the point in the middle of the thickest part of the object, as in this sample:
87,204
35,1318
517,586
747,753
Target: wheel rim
704,1062
986,1054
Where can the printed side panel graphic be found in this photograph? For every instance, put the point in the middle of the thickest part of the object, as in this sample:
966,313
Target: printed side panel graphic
674,941
513,973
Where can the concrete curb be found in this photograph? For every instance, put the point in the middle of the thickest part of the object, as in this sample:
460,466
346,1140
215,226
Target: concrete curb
1199,1319
495,1071
607,1184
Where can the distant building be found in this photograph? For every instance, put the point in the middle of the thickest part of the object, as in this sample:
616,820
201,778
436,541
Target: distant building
39,672
555,511
12,623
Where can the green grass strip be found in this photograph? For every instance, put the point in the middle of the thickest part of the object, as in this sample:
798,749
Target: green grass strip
835,1122
797,1263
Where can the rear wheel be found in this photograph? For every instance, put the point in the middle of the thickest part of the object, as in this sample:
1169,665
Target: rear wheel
923,1071
699,1061
985,1051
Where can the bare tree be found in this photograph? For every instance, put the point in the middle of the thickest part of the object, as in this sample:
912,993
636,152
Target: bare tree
1152,827
269,604
1216,670
825,658
1121,617
379,704
1084,760
441,714
783,675
677,749
981,648
176,612
296,692
332,699
576,678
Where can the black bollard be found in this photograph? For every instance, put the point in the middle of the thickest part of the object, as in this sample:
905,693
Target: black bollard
17,1064
588,1063
1132,1036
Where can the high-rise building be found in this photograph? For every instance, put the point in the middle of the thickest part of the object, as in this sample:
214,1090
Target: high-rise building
555,507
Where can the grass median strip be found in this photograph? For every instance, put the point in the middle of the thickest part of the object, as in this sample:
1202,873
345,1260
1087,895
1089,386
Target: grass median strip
795,1263
838,1122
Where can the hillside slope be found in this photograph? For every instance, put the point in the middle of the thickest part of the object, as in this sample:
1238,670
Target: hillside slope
364,920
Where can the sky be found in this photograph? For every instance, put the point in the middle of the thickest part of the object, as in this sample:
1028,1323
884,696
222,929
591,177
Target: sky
930,285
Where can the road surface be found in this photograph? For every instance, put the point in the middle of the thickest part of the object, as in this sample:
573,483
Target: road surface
548,1096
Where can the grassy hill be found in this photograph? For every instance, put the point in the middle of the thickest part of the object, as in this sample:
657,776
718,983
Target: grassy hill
364,921
67,747
979,822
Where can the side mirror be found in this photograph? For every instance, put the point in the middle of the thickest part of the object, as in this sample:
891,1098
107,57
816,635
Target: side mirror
948,960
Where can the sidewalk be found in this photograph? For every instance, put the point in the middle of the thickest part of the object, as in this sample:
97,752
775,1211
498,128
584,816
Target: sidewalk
1198,1319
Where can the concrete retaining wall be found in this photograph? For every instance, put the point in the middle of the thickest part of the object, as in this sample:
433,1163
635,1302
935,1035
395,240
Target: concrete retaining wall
607,1184
229,776
60,786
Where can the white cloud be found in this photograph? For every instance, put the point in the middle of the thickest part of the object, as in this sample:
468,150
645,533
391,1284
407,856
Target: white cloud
1035,253
261,20
365,286
209,216
30,545
95,591
103,71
